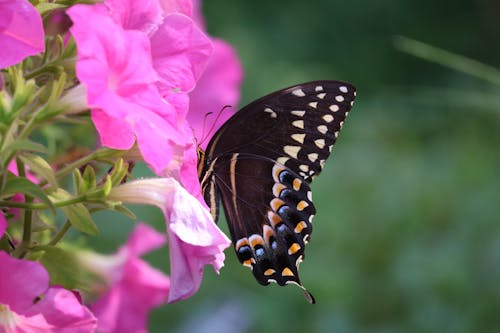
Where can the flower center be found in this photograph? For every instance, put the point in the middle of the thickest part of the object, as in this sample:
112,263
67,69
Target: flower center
8,318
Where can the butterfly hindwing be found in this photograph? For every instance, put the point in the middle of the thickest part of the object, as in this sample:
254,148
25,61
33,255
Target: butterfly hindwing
260,164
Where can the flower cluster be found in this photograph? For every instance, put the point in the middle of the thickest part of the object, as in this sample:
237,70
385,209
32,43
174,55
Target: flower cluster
140,77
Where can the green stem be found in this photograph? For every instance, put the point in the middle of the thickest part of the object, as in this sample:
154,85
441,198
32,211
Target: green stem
60,234
50,67
28,213
76,164
448,59
39,205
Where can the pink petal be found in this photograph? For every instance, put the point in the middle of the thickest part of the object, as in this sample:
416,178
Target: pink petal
194,241
144,239
110,58
177,6
125,307
21,32
144,15
189,172
218,86
21,281
62,309
114,132
136,287
157,140
180,53
115,66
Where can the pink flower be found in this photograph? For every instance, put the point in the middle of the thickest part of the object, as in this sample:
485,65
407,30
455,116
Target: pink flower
137,95
134,287
28,304
21,31
194,238
218,86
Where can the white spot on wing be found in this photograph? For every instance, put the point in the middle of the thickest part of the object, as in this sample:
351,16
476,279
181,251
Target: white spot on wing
314,105
298,137
334,107
271,112
320,143
322,129
298,124
312,157
282,160
299,113
298,93
339,98
328,118
291,150
304,167
321,96
309,195
343,89
318,88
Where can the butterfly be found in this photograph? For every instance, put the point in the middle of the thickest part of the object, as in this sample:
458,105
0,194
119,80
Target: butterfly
260,164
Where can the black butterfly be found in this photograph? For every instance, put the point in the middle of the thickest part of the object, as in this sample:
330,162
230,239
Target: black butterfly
260,164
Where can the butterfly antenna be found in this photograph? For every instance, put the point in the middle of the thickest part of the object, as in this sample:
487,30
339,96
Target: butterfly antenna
204,137
204,123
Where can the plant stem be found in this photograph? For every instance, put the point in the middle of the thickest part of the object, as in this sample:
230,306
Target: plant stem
60,234
39,205
448,59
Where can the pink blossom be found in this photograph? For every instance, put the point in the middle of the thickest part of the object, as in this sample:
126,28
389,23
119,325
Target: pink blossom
177,6
180,54
219,86
28,304
115,65
194,239
21,31
137,95
134,287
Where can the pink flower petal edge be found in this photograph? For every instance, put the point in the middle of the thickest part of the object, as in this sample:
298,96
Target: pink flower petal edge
193,237
21,32
135,286
28,304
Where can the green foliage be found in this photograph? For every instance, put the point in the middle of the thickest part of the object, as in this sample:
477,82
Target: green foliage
78,214
61,265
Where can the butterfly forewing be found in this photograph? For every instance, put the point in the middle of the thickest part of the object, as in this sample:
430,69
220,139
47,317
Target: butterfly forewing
260,163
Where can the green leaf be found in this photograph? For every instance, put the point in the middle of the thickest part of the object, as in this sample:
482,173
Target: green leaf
16,185
40,167
77,214
61,265
24,145
125,211
78,183
45,7
89,177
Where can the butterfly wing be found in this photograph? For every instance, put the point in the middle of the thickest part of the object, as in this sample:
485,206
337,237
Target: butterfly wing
296,126
270,211
260,163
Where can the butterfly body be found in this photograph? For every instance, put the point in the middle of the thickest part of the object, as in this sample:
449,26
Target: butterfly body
260,164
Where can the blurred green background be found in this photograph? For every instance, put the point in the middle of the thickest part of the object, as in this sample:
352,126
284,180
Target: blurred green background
407,235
